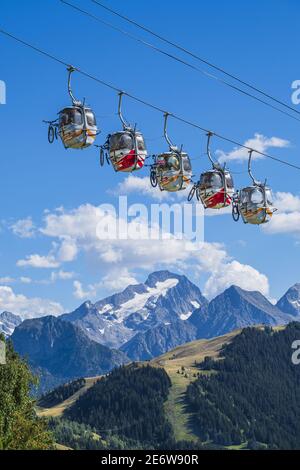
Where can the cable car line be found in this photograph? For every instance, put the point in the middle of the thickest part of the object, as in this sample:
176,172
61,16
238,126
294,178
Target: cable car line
146,103
195,56
187,64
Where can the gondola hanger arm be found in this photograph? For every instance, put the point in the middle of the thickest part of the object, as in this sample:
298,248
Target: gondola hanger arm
75,102
215,165
125,124
255,182
169,142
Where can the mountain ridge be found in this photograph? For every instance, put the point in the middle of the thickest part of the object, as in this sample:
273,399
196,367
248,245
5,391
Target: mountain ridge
236,308
62,351
290,301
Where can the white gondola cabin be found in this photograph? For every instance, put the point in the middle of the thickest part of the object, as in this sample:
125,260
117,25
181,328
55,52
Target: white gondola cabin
76,125
254,203
215,188
126,149
172,170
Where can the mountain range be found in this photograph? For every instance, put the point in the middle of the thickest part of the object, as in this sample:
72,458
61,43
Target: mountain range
141,322
164,298
146,320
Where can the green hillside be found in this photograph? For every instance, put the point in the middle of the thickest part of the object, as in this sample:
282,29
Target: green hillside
174,407
226,392
181,364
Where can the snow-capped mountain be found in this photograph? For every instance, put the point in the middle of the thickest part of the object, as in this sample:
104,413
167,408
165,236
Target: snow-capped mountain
162,299
290,301
8,322
236,308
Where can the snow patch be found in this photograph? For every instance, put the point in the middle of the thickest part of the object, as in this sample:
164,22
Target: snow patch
185,316
105,308
138,302
195,304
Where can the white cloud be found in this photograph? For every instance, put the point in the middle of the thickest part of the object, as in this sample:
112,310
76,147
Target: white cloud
235,273
67,251
80,293
287,222
25,280
7,280
116,280
287,219
38,261
258,142
24,228
287,202
27,307
79,228
62,275
138,185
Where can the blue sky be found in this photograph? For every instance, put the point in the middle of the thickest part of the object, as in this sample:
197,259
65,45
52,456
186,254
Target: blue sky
256,40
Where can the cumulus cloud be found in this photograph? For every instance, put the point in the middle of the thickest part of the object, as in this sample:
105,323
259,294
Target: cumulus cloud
117,258
67,251
81,293
235,273
116,280
287,219
27,307
38,261
258,142
287,202
24,228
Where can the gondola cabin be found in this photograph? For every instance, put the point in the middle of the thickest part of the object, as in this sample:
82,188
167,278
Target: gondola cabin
216,189
127,150
173,171
77,127
255,204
